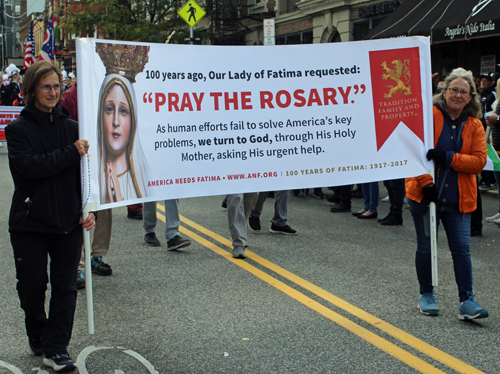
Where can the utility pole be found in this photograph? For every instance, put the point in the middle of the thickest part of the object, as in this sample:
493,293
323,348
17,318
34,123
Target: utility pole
2,32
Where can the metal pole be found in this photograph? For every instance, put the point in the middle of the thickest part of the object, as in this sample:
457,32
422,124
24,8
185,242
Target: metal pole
191,36
88,278
2,24
433,238
87,243
3,53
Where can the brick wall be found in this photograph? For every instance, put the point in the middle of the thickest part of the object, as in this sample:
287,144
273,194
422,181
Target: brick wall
271,4
295,26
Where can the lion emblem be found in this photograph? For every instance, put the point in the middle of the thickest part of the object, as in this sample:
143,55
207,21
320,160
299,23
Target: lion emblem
395,74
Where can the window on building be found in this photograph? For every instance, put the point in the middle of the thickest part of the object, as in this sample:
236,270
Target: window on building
304,37
287,6
362,28
68,64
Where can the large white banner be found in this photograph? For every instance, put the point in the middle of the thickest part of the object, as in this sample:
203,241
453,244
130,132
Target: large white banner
173,121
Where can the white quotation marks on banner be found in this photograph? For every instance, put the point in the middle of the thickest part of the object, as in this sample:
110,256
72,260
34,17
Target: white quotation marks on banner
81,361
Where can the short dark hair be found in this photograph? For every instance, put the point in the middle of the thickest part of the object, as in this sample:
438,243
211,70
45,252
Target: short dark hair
32,77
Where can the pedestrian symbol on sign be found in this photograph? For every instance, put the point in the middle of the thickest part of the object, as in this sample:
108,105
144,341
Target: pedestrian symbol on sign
192,13
192,10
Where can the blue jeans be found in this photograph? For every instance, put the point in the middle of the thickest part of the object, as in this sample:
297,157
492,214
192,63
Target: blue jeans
457,228
370,195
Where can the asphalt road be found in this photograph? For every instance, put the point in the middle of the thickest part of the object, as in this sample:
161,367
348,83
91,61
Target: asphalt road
339,297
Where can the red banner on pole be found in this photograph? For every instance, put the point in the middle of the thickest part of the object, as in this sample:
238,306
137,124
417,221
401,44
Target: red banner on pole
397,93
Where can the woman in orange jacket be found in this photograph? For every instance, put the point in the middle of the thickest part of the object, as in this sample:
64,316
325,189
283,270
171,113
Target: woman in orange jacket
459,154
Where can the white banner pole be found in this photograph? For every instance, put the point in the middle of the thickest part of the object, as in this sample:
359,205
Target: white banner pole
487,134
88,277
87,208
433,238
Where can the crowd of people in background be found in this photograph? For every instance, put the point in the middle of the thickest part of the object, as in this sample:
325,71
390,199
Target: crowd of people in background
465,110
11,86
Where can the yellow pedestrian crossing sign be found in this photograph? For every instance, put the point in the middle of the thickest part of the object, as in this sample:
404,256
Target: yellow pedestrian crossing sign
191,13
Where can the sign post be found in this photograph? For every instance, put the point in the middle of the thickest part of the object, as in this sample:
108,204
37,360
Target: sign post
269,32
191,13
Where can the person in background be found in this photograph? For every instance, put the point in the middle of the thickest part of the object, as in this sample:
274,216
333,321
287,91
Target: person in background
172,235
279,222
15,96
493,121
342,198
488,96
64,75
69,81
45,218
370,199
459,154
239,207
396,191
4,86
134,211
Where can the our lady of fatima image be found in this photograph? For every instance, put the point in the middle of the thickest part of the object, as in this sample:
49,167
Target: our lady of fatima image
123,167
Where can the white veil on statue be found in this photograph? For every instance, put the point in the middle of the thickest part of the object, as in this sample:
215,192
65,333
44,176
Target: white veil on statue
123,63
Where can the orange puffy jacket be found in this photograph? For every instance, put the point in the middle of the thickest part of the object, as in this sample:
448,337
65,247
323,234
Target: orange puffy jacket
469,162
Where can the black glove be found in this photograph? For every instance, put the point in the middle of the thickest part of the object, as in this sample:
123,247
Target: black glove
430,193
437,156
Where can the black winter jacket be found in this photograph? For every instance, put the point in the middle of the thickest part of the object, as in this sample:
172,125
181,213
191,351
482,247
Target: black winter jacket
45,167
488,97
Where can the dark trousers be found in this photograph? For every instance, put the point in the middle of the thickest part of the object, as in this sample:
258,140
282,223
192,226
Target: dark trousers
396,191
487,176
476,217
345,194
31,251
133,208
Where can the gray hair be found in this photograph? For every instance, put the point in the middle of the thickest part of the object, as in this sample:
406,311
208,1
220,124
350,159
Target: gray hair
474,106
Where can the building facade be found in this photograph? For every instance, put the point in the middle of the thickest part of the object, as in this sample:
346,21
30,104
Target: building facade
307,21
12,12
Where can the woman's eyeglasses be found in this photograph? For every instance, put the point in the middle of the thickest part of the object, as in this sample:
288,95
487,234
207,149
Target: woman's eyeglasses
47,87
455,91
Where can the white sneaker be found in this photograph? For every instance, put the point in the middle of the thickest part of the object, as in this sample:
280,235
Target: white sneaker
493,218
386,199
497,221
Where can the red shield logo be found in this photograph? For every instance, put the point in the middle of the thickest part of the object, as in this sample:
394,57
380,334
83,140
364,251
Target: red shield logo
397,93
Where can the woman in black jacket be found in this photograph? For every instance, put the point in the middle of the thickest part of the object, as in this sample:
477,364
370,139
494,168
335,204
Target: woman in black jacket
45,216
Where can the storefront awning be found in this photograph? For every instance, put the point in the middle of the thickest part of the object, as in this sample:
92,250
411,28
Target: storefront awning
442,20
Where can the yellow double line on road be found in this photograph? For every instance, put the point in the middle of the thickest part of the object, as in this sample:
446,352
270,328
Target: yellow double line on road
379,342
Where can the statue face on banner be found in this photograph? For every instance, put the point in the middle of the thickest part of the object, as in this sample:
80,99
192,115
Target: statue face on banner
117,121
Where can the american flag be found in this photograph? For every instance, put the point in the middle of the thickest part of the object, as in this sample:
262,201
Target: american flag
47,52
29,53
